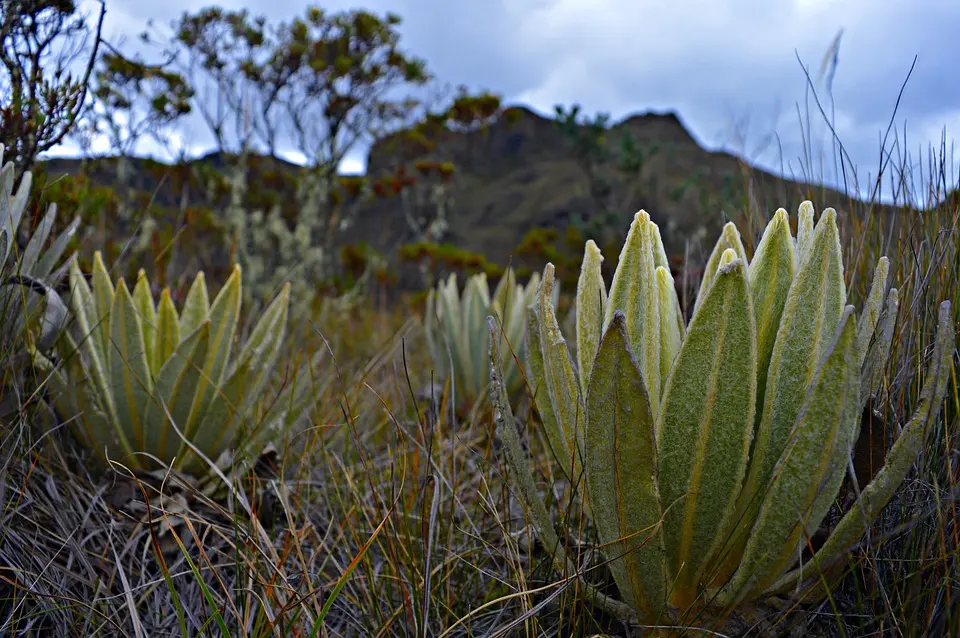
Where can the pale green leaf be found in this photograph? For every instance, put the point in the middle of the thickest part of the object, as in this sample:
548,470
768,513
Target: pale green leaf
729,240
620,472
173,394
560,377
770,273
705,427
196,307
223,317
31,254
130,376
808,324
540,390
875,496
671,322
871,310
102,303
591,299
634,292
808,474
168,330
51,256
804,230
143,300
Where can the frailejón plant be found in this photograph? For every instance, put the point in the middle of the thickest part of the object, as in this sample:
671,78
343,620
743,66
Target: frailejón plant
710,453
149,383
30,275
32,314
457,337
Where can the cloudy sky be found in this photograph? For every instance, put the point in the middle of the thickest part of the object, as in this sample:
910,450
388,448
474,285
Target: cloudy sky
729,68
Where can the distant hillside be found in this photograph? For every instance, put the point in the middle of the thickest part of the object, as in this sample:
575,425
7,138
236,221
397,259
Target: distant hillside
520,173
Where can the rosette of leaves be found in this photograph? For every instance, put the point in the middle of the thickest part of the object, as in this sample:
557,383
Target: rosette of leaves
150,383
32,314
711,452
458,339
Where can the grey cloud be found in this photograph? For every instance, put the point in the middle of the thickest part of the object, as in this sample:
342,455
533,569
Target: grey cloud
716,63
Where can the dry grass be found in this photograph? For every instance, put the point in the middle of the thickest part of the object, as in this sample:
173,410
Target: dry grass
389,515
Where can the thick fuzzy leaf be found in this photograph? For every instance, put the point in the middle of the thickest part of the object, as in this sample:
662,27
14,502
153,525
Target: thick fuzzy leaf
634,293
432,330
809,472
871,311
223,317
103,295
871,372
250,376
770,273
196,307
451,319
705,427
72,391
671,323
875,496
84,310
528,495
51,256
659,252
540,391
476,307
168,330
174,393
808,325
620,467
591,300
560,378
729,240
513,320
804,230
31,254
130,378
143,300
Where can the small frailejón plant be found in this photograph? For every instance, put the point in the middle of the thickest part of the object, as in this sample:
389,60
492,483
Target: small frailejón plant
457,338
32,314
710,453
147,383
